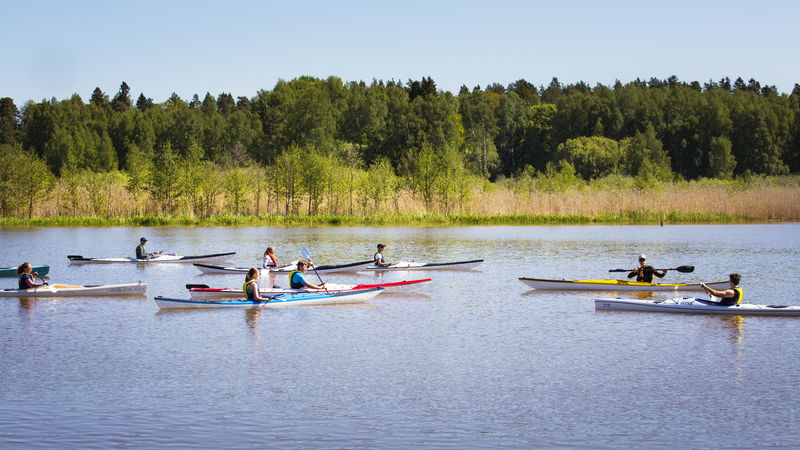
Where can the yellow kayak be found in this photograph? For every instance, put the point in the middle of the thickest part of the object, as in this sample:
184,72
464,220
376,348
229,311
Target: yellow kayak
615,285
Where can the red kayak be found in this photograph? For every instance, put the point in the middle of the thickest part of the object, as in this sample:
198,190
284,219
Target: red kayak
202,291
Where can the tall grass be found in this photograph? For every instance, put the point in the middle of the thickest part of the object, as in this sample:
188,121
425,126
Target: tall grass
610,200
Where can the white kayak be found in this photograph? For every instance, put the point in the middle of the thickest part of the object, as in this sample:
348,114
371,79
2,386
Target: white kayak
413,265
68,290
694,306
202,291
163,258
278,301
615,285
350,267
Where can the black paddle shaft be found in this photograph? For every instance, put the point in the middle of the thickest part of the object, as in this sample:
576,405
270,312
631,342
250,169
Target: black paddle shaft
682,269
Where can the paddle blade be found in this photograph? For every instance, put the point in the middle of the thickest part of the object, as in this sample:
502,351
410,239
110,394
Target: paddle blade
196,286
684,269
619,270
306,255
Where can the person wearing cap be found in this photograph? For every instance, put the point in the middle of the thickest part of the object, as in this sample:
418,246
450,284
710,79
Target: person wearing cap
141,253
378,257
645,272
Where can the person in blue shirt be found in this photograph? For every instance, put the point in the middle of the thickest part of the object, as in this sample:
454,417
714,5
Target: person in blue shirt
297,279
26,277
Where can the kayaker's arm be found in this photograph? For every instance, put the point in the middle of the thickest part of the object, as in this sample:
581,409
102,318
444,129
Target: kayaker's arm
660,275
728,293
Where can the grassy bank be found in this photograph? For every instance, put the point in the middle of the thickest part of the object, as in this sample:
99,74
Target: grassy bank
641,217
611,200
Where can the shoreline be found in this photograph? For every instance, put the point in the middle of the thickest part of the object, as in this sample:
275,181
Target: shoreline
633,218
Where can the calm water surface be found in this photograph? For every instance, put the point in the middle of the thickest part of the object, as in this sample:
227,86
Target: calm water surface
472,360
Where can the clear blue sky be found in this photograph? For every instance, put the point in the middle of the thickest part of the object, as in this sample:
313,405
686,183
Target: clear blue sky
54,48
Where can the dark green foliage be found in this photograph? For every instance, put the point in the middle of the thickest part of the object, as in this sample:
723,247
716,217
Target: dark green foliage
9,121
721,128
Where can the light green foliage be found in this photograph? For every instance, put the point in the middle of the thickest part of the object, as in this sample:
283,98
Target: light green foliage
236,185
164,182
558,177
285,176
379,184
592,157
24,179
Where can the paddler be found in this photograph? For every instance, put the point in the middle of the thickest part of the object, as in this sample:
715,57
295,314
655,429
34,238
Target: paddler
141,253
250,287
378,257
728,297
645,272
269,261
26,277
297,279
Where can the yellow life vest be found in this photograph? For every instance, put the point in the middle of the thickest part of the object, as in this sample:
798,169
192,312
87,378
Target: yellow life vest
244,289
739,294
291,284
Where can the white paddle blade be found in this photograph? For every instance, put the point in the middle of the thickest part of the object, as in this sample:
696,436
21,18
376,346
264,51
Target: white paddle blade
305,253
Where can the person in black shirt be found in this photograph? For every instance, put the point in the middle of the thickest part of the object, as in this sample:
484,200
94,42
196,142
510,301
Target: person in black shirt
645,272
141,253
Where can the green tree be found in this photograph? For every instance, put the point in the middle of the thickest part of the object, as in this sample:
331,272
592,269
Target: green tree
122,101
236,184
480,129
592,157
9,121
164,184
721,162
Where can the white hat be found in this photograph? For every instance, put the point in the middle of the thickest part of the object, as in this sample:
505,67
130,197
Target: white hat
642,256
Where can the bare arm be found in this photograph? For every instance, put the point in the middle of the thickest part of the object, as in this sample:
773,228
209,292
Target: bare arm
728,293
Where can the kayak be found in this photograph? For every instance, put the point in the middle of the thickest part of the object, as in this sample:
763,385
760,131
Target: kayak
201,291
12,271
694,306
411,265
68,290
279,301
166,258
615,285
351,267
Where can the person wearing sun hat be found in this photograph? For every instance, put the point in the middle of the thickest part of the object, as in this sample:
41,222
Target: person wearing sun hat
645,272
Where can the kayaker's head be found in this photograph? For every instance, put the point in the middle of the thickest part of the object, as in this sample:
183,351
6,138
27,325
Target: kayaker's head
142,240
302,265
642,260
381,247
734,278
24,268
252,274
270,250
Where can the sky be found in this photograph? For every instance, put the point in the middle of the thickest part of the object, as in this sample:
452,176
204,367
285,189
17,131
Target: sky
53,48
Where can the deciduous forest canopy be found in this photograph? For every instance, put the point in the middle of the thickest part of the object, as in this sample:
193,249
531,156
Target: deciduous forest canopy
656,129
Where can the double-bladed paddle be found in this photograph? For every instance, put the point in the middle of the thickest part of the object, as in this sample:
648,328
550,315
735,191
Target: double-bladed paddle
682,269
307,256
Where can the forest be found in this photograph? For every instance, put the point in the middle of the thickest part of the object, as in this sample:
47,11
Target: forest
315,146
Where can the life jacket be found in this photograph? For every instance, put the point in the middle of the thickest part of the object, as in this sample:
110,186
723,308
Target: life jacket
292,284
375,256
22,284
244,289
738,295
272,262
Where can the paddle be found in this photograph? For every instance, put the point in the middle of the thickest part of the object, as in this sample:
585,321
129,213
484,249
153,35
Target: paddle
682,269
47,286
307,256
197,286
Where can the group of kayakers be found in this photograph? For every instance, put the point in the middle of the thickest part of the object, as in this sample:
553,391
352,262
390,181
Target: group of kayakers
297,278
733,296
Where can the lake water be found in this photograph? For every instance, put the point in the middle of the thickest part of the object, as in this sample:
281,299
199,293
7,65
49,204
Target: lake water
471,360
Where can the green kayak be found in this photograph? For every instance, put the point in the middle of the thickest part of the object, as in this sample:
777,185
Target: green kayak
12,271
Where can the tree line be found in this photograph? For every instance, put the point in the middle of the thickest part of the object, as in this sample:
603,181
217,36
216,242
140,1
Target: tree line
311,141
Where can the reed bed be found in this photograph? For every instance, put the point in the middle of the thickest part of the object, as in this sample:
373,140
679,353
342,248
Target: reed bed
711,201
